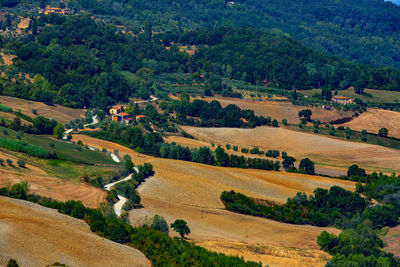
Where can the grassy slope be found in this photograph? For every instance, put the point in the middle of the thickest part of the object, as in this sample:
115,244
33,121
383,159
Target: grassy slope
64,150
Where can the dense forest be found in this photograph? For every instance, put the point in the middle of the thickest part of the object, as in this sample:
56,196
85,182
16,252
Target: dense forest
78,62
364,31
263,58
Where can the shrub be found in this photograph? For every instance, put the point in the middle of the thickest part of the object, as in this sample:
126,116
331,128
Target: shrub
9,162
284,122
104,150
34,111
79,143
275,123
228,146
5,132
20,135
235,148
1,162
21,163
12,263
160,224
245,150
315,130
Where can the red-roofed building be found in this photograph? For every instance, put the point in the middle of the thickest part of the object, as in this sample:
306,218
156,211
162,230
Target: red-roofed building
342,100
140,117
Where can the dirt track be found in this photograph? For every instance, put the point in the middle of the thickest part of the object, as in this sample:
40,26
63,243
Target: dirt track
190,191
325,151
37,236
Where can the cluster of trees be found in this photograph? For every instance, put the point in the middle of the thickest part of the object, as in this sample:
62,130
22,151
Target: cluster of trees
356,246
67,67
360,31
359,242
25,147
153,144
161,249
213,114
277,60
324,208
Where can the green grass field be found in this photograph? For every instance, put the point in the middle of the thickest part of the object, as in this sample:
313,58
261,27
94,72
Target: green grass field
63,150
378,96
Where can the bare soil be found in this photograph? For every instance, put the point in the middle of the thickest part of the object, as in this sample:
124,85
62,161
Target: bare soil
38,236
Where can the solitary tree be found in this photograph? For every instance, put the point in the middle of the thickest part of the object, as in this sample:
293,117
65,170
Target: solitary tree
307,166
288,163
383,132
12,263
180,226
160,224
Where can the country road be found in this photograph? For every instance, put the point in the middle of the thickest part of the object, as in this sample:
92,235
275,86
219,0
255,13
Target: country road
122,200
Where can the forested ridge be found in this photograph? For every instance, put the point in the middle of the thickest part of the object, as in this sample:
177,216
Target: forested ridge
78,62
364,31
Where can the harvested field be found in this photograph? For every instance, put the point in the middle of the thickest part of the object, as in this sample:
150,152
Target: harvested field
375,119
392,240
278,110
325,151
8,59
191,191
56,189
10,117
57,112
38,236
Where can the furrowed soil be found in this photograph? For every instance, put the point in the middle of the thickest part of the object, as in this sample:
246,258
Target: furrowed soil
191,191
59,113
38,236
328,153
375,119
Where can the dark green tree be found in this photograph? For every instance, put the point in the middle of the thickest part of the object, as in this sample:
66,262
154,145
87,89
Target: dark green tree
181,227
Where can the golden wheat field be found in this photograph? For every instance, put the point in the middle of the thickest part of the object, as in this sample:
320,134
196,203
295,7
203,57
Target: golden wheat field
191,191
38,236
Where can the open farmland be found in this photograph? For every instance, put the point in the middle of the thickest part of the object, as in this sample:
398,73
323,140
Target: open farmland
378,96
278,110
191,191
327,152
57,112
38,236
375,119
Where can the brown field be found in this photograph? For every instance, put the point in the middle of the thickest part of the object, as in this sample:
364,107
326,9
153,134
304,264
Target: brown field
38,236
278,110
392,240
43,184
57,112
10,117
328,153
190,191
7,59
375,119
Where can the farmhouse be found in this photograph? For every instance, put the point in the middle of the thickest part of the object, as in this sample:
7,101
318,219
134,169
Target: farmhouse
342,100
122,117
117,109
140,117
55,10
